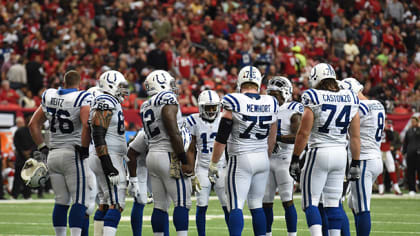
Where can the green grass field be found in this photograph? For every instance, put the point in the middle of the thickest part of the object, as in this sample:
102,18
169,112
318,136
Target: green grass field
391,215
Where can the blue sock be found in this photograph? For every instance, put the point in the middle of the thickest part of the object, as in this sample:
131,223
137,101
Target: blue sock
268,211
355,219
236,222
225,210
137,218
85,227
159,221
324,219
166,224
112,218
313,217
291,218
59,216
363,223
77,215
258,221
345,226
334,217
181,218
200,220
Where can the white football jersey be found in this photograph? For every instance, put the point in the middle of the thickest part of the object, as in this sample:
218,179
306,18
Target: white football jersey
372,123
205,133
62,109
115,135
151,114
253,115
140,143
333,112
286,111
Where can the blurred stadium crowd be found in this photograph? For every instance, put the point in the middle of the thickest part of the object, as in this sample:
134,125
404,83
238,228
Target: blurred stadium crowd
204,43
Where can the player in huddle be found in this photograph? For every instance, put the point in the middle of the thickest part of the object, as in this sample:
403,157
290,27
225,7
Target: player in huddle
203,127
372,122
67,110
161,117
108,134
137,187
328,114
288,120
248,126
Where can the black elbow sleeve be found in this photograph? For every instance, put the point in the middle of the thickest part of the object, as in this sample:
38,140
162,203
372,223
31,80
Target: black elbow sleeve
98,135
225,127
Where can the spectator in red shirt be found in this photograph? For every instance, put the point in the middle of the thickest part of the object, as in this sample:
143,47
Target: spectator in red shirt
376,73
219,25
196,30
8,95
87,9
288,62
184,64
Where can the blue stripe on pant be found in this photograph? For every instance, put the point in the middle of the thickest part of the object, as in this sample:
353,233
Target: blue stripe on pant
307,184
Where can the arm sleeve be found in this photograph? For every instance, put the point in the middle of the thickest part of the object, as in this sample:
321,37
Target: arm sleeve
139,144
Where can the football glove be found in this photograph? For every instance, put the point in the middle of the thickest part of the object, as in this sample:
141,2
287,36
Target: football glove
354,172
175,167
294,168
109,169
196,187
42,153
133,187
82,151
213,172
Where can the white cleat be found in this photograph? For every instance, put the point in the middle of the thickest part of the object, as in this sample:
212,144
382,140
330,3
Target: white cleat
412,194
397,189
381,189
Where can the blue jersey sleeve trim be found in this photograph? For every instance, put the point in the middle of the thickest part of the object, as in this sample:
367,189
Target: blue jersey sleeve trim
310,96
316,95
78,97
236,102
83,98
159,98
290,106
193,120
294,105
365,107
114,101
189,122
363,110
106,98
43,97
230,102
275,104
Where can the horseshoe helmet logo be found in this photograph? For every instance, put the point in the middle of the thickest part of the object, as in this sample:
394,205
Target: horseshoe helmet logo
110,81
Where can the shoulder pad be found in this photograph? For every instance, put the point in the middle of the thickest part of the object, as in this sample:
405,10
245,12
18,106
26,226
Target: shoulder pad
190,121
165,98
363,108
310,98
84,98
230,103
295,106
105,102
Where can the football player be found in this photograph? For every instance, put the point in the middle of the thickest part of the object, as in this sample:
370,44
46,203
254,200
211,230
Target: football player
288,121
203,127
137,187
248,126
327,115
161,117
67,110
108,133
388,159
372,121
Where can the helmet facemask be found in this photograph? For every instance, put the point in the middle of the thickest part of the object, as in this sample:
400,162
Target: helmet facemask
209,111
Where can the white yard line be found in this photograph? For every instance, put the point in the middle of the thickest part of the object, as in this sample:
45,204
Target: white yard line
374,196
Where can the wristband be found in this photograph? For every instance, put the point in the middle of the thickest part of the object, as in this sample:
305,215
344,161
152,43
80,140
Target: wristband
295,158
182,157
355,163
